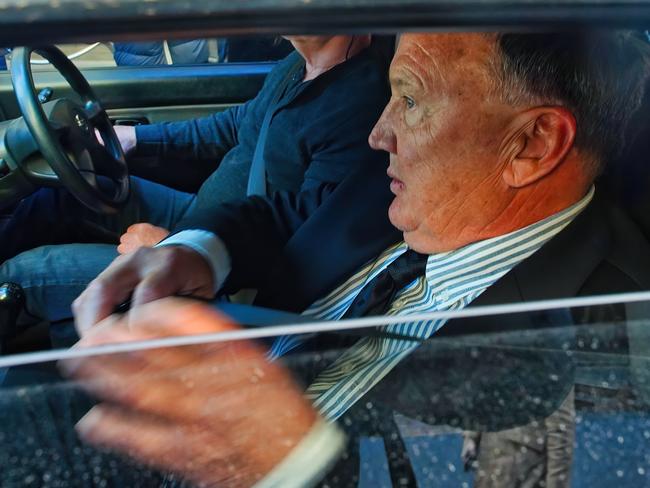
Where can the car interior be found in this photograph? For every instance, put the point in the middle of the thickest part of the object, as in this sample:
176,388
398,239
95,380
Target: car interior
131,96
610,382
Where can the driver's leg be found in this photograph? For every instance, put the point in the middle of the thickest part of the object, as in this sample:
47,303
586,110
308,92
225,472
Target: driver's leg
52,277
149,202
53,216
44,217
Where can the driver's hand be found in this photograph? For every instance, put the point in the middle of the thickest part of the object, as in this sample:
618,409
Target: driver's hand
145,275
141,235
126,136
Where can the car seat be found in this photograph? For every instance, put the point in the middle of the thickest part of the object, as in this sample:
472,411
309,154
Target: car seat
627,179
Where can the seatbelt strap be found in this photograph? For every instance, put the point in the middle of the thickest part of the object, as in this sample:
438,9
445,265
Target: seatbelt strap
168,53
257,176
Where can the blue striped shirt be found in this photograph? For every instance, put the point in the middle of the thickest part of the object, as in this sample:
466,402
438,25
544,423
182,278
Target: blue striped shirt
451,282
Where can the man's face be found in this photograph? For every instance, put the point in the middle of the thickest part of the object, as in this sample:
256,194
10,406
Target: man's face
443,131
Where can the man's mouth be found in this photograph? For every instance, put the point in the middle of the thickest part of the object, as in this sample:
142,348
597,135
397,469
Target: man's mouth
396,185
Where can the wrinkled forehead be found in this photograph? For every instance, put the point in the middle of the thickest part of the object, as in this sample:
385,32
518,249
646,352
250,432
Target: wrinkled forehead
436,58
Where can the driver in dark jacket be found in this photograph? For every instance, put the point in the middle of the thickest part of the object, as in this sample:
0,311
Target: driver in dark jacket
318,134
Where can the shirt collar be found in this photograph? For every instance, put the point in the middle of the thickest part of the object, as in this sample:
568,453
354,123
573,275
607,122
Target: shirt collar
529,238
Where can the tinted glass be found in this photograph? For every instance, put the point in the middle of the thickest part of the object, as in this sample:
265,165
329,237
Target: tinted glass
554,396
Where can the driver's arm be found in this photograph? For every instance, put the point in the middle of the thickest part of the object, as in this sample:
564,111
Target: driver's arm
197,140
251,234
195,261
205,139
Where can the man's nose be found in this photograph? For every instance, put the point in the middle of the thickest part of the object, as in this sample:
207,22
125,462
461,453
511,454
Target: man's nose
382,137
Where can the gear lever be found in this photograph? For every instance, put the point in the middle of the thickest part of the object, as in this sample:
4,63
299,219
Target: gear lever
12,301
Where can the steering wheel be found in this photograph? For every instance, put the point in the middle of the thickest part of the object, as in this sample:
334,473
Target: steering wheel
64,132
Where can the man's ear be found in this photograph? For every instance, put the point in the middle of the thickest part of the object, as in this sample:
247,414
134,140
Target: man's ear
543,136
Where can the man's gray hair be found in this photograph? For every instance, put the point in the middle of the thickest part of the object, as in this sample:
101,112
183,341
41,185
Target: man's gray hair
600,76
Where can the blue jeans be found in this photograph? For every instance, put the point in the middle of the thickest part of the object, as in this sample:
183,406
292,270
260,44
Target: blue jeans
54,275
53,216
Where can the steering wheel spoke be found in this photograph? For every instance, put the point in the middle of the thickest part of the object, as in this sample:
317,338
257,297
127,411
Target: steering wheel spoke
94,112
89,176
103,164
59,128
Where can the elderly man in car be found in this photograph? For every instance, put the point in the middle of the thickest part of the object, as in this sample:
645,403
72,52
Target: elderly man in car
495,143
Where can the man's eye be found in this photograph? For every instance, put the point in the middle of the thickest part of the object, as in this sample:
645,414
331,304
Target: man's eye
410,103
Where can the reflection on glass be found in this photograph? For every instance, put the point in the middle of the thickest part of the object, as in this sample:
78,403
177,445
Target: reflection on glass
546,398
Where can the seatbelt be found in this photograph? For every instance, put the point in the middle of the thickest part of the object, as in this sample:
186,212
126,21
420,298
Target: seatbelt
257,176
167,53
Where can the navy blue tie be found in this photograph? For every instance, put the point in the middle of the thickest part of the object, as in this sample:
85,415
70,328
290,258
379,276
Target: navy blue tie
375,298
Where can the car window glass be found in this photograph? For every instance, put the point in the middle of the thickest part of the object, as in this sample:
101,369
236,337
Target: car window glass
167,52
524,394
557,393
